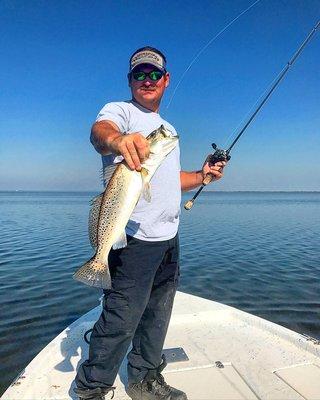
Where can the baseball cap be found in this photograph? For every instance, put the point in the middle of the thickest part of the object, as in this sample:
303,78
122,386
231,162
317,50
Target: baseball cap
148,55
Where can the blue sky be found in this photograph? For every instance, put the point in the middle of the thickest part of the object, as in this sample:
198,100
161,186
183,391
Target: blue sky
61,61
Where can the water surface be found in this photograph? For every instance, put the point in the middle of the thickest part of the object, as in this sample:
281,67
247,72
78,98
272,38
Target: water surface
255,251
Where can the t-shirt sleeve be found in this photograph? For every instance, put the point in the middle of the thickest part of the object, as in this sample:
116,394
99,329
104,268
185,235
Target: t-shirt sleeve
116,113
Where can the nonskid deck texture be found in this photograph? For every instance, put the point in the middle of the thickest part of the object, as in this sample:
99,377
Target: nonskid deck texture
232,355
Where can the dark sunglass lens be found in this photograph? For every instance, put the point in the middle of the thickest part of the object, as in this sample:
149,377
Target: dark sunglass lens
139,76
155,75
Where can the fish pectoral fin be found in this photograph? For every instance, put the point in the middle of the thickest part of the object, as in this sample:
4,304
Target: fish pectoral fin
107,172
146,192
121,241
146,188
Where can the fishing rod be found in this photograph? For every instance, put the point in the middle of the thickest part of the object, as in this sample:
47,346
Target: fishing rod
224,155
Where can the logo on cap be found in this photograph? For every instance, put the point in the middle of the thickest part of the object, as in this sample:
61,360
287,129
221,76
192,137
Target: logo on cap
147,57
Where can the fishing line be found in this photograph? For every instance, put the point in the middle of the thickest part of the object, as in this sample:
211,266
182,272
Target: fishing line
205,47
253,107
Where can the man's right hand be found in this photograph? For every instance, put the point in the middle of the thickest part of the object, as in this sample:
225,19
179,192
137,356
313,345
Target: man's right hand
134,148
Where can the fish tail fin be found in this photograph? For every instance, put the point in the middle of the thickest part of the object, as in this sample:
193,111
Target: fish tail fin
94,273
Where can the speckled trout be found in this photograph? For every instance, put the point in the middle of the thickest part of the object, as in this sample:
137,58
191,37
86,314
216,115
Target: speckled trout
112,209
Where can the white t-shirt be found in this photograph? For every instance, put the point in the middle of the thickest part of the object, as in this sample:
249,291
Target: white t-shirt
159,219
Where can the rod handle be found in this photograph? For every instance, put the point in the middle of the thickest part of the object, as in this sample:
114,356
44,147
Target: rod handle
188,205
207,179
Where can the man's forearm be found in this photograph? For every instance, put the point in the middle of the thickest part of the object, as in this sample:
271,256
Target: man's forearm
190,180
102,135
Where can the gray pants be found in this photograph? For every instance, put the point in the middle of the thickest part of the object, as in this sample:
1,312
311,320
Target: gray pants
137,308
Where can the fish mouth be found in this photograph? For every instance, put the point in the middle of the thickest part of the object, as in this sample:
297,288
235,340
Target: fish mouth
162,133
167,133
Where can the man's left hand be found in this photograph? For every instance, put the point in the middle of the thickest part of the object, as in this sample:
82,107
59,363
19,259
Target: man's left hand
216,170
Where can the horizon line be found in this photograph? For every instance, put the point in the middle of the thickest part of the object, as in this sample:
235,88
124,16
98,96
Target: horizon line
207,191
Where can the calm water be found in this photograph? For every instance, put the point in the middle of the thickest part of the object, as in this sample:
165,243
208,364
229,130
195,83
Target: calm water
256,251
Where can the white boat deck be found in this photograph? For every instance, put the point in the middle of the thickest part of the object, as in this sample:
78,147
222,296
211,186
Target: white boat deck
232,355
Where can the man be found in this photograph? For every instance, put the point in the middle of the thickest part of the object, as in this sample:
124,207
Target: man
145,273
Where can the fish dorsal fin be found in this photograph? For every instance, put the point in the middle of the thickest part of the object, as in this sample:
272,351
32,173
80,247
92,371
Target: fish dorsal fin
94,220
146,188
107,172
121,241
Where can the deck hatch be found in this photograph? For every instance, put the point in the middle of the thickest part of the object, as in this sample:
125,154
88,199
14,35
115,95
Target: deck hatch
304,379
225,383
175,355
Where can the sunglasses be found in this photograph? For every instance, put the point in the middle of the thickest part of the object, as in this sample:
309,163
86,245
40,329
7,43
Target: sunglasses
153,75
